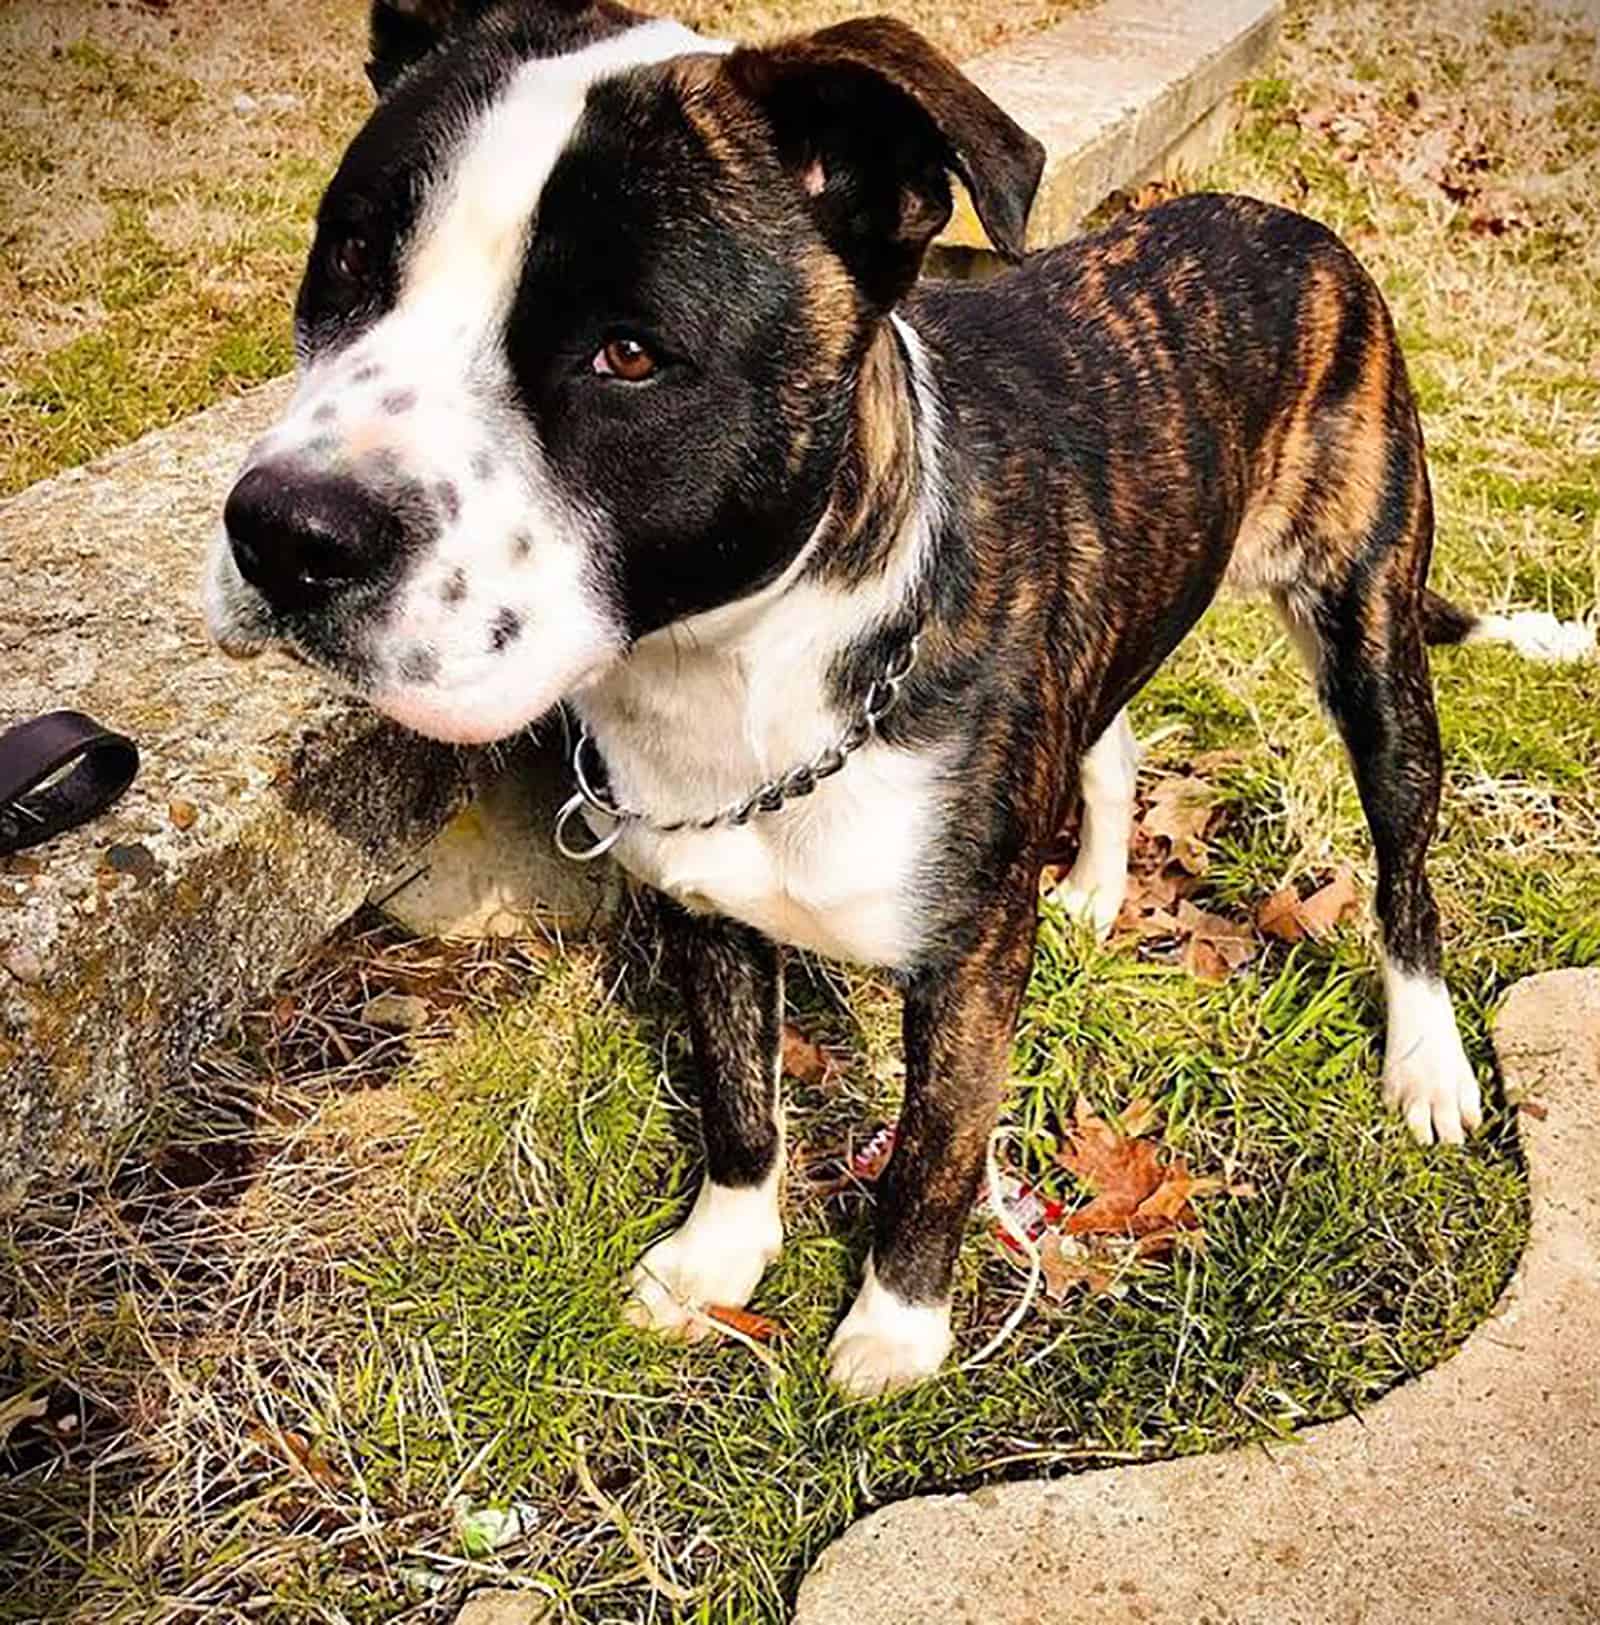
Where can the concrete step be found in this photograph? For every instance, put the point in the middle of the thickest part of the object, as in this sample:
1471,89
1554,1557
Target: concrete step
1120,93
126,946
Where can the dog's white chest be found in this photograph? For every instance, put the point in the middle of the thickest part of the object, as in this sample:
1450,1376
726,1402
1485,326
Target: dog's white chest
836,872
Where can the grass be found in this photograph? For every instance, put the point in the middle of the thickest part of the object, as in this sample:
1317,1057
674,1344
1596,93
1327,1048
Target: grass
347,1277
153,223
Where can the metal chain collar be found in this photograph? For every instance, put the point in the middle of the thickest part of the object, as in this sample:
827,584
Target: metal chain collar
800,781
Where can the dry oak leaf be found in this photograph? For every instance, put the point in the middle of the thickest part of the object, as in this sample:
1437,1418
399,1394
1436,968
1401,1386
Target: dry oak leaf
1123,1172
1216,946
1147,906
803,1060
1135,1193
1291,918
1063,1269
298,1449
1180,812
758,1328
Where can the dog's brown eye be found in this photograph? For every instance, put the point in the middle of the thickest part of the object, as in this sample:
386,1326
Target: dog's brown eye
350,257
626,359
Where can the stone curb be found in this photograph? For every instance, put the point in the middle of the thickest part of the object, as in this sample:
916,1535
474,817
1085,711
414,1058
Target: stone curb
1117,92
1471,1495
265,806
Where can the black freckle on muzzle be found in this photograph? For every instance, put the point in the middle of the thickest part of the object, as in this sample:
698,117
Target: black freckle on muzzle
504,630
419,665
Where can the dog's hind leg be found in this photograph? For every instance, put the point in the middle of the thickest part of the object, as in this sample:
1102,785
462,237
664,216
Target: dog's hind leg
1098,880
1365,635
732,982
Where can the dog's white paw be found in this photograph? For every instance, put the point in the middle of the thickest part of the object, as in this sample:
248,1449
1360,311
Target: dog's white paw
1093,895
717,1256
1427,1077
885,1344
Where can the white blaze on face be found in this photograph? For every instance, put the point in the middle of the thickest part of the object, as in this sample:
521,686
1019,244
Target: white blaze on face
502,612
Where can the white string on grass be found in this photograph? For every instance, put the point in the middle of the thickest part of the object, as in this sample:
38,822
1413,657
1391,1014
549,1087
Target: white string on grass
1024,1241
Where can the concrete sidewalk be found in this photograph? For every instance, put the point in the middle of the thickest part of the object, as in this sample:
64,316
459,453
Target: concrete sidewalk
1471,1495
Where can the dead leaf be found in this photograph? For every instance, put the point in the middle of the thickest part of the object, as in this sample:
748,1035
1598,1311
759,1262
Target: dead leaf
298,1450
1329,904
1122,1173
1148,903
1153,192
1168,1203
1180,812
1292,918
758,1328
1216,945
803,1060
1135,1193
1065,1263
182,813
1279,916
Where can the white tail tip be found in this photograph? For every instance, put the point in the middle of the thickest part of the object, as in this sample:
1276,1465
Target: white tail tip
1537,635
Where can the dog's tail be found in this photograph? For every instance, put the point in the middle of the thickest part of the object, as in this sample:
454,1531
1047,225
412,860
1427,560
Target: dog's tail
1533,633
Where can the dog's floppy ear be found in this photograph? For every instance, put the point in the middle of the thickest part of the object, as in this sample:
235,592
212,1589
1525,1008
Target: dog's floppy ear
873,121
404,31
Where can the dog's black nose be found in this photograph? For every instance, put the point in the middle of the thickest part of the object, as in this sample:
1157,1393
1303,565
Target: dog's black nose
299,538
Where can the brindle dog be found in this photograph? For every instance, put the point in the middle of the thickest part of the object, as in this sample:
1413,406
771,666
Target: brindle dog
619,388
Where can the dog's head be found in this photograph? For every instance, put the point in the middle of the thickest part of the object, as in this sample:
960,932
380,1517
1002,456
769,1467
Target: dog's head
578,338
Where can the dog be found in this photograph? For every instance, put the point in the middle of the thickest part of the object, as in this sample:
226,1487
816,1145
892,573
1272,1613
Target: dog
618,388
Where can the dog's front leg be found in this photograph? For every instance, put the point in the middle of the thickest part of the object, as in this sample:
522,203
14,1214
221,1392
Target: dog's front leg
959,1023
732,983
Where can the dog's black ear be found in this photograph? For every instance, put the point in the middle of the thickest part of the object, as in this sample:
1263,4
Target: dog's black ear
873,120
404,31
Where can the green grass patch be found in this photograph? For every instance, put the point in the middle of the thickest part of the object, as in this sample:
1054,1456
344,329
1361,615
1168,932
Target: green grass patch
559,1146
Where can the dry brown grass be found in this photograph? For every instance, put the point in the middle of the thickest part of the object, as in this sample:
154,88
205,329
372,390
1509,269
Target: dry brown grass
161,162
190,1296
152,223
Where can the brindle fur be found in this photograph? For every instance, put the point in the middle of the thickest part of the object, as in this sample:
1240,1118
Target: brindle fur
1210,392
